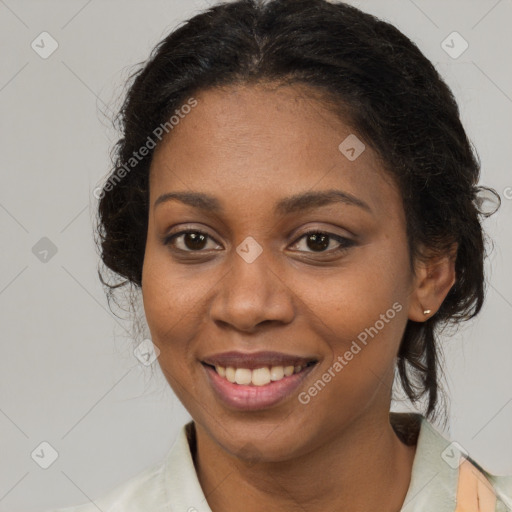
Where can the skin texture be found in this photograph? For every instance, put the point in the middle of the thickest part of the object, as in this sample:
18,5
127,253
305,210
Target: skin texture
250,146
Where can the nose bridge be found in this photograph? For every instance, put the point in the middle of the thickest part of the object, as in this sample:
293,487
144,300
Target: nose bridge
250,269
252,291
251,278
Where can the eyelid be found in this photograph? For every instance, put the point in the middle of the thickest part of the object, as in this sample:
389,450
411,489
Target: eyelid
326,230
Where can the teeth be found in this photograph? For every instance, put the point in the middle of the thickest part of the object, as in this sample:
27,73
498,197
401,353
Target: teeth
259,376
230,374
288,370
276,373
243,376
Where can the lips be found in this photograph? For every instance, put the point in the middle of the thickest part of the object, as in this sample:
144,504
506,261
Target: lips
250,397
255,360
258,380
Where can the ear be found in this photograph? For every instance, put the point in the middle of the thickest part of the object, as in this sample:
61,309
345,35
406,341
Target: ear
434,278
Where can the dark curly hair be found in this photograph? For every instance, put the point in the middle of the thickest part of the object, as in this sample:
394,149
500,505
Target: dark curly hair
376,79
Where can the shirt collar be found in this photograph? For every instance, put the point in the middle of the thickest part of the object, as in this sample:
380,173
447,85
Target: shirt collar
183,487
434,474
433,482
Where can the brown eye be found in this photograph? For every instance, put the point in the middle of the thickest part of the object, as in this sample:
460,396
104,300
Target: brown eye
319,242
189,241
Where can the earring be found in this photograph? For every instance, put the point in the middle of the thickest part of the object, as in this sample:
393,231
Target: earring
427,312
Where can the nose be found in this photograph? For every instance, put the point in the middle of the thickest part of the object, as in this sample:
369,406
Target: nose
252,294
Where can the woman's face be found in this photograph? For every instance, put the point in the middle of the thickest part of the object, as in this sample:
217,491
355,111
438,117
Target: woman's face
256,282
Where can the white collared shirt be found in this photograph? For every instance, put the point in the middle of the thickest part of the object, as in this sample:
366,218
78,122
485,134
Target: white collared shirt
172,484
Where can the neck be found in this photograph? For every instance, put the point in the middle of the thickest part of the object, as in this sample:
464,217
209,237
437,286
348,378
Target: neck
367,467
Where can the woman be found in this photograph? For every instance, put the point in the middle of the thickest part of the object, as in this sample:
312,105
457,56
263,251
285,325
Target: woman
296,199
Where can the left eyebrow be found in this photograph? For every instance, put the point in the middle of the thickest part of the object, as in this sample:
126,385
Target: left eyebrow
286,206
308,200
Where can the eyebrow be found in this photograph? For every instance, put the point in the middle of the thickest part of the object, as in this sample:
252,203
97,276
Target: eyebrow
286,206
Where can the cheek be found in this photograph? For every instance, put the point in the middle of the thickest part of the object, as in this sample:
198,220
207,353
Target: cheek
362,338
170,292
357,296
171,312
175,299
360,312
169,302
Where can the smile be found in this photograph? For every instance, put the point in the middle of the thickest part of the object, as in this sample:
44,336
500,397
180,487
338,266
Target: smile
259,376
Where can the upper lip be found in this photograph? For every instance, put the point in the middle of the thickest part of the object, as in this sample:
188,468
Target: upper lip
252,360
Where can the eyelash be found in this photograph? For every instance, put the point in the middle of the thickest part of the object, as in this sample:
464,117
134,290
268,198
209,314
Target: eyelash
345,243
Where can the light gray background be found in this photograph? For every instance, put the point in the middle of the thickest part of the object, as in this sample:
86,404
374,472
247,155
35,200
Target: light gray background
67,372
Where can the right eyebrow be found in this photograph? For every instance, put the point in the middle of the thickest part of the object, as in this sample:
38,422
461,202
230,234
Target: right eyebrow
308,200
195,199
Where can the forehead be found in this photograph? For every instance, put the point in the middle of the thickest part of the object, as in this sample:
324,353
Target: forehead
266,141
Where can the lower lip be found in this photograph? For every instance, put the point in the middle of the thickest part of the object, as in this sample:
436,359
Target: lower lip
253,398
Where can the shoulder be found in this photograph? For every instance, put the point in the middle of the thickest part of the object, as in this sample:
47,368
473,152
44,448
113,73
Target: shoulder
492,488
444,477
475,488
170,484
146,489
